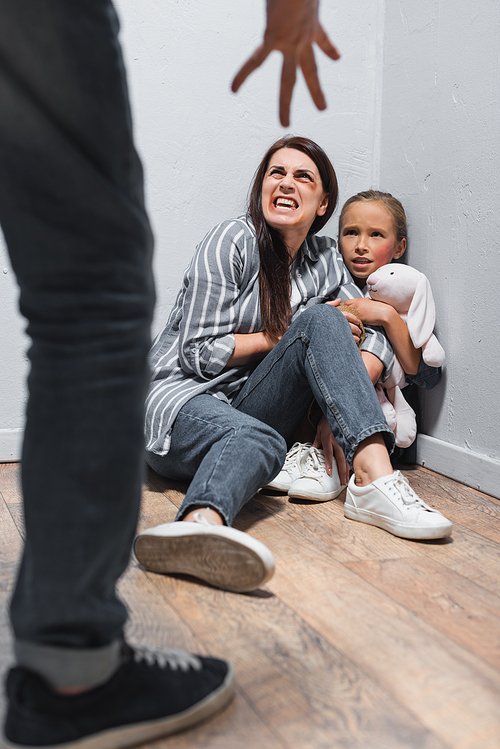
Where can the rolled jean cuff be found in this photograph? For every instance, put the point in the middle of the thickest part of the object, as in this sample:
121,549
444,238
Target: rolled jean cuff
64,668
190,505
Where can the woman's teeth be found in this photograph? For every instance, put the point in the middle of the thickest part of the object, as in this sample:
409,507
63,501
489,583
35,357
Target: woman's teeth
285,203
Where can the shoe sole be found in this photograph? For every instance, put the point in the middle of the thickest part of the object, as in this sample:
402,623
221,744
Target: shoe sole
278,487
141,733
315,496
397,528
220,561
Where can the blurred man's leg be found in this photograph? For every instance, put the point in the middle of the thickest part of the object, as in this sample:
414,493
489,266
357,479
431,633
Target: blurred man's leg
72,211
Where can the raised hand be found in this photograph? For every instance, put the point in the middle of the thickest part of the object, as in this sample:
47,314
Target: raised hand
292,28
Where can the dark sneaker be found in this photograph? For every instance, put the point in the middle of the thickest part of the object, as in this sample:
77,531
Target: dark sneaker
154,693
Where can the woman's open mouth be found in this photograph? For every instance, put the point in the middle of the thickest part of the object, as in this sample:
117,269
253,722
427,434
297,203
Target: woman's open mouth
287,203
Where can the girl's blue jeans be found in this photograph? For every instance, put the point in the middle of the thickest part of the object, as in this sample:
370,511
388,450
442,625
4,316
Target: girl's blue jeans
230,452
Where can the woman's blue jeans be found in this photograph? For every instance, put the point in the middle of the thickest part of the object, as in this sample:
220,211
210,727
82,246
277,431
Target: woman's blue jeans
72,211
230,452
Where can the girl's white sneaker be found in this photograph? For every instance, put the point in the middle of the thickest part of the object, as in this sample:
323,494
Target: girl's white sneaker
390,503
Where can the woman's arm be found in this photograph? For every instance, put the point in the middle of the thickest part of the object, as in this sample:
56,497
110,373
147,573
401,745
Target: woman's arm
250,347
379,313
213,289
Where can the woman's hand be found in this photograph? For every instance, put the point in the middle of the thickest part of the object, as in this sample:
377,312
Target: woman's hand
351,319
332,451
292,28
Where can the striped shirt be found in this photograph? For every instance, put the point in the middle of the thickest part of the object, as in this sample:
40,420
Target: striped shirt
220,297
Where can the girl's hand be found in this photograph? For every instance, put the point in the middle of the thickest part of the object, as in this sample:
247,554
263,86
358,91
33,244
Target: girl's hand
351,319
332,451
378,313
370,312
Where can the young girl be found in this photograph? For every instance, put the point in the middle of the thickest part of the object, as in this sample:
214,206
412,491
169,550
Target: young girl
372,233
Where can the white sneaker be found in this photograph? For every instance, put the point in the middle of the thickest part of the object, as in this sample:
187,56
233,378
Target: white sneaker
221,556
291,467
390,503
313,481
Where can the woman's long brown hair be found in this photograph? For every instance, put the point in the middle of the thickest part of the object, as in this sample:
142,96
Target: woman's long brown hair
274,274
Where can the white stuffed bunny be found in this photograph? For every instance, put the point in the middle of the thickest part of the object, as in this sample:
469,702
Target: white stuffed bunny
409,292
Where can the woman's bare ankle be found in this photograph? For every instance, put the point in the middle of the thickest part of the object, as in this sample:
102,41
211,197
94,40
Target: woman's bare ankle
212,515
371,461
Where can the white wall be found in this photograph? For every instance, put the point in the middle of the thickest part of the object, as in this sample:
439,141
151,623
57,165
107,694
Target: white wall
201,144
441,156
413,108
13,363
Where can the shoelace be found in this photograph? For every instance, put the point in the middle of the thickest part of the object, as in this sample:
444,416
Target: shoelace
295,454
166,657
314,462
400,486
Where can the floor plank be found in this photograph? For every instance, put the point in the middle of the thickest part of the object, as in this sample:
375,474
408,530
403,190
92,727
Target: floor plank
300,685
360,641
10,547
457,607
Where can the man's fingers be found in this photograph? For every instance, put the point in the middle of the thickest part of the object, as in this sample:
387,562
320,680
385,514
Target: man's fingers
291,57
250,65
308,65
288,77
324,43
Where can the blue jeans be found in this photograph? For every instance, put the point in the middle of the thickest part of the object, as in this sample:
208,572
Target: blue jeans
72,211
229,452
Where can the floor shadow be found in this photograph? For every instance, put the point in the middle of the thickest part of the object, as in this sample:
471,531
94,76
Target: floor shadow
259,593
257,509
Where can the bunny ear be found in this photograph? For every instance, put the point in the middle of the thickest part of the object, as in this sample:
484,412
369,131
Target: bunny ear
422,313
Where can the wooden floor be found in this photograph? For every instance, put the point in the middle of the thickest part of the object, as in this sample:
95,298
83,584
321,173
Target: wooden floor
360,641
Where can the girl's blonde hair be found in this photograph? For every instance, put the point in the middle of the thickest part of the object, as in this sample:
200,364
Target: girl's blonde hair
392,204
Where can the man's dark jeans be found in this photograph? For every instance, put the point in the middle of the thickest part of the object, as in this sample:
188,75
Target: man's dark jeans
72,211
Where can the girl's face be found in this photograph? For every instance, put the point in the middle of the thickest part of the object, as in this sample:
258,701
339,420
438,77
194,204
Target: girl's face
292,193
368,239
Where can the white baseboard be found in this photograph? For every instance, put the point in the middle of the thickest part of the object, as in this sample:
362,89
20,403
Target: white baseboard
473,469
10,445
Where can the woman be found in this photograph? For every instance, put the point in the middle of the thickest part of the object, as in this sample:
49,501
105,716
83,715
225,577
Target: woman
249,344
